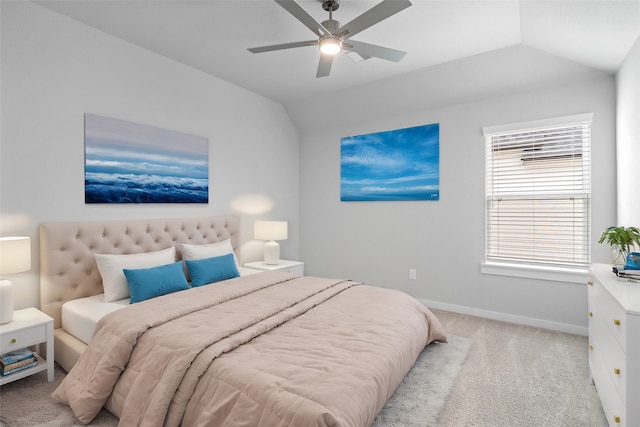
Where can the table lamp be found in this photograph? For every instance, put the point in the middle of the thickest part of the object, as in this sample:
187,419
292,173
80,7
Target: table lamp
271,231
15,257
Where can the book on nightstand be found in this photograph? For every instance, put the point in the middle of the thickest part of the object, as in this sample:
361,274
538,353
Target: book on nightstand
15,356
31,364
16,361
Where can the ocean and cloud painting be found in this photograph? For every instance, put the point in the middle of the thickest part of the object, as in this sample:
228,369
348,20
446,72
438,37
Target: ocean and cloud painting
395,165
131,163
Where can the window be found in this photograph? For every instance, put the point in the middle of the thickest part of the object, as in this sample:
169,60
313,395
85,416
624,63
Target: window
538,193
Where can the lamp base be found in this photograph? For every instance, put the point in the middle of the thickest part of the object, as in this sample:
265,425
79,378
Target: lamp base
6,301
271,253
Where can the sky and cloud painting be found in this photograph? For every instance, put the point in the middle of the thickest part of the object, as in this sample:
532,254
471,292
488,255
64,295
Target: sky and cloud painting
396,165
132,163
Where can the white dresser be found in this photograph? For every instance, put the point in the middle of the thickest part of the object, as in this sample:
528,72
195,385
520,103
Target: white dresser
614,345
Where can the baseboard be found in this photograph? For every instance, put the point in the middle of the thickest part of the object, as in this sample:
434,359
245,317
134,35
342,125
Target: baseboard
511,318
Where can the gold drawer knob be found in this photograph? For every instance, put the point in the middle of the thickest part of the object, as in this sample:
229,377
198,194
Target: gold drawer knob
591,314
590,283
616,418
13,341
590,346
616,371
616,322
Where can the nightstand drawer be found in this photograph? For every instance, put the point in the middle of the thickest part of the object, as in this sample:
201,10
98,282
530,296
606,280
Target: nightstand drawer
298,269
20,339
293,267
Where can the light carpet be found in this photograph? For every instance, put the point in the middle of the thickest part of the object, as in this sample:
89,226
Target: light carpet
416,403
517,375
423,392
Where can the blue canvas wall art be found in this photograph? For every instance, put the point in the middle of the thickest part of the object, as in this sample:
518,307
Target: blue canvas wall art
395,165
131,163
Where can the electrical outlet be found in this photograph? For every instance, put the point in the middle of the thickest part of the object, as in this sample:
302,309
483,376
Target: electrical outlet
412,274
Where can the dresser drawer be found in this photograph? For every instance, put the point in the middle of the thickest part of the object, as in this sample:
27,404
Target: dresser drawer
614,408
614,363
23,338
610,312
607,350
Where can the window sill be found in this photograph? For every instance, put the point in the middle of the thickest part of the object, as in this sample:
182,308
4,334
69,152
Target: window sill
557,274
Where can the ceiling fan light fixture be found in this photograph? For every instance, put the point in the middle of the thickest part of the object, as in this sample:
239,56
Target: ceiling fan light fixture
334,38
330,45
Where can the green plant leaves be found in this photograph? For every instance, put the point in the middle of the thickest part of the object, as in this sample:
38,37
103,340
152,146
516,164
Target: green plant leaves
624,237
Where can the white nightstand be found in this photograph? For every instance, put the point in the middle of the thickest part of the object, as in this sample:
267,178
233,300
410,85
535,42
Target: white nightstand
295,267
29,327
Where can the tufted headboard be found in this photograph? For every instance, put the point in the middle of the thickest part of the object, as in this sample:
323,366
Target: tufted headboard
68,268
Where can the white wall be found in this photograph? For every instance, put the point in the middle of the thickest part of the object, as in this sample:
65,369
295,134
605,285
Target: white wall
377,242
628,137
55,69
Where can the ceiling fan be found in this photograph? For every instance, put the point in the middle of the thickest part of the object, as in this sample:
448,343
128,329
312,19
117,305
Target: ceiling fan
334,38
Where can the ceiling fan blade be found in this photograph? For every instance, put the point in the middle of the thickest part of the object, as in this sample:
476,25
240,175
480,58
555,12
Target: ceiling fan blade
281,46
374,15
303,16
356,56
366,49
324,66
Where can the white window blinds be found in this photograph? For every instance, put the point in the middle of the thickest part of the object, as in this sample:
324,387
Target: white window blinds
538,192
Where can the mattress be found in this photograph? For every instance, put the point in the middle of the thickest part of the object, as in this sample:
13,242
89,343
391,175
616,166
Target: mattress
80,316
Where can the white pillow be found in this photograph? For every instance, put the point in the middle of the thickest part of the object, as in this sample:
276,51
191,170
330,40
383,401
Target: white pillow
110,266
209,250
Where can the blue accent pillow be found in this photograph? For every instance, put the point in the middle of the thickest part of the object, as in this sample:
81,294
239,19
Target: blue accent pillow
146,283
210,270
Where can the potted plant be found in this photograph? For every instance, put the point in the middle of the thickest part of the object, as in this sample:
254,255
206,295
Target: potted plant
622,241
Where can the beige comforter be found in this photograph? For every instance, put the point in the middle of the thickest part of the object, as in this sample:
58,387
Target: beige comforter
269,349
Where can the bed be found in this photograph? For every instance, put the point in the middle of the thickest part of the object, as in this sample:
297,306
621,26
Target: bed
264,349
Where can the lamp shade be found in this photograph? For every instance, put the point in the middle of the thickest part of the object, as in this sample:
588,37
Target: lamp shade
15,255
270,230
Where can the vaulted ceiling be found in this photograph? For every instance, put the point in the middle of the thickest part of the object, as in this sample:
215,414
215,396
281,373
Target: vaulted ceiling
213,36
